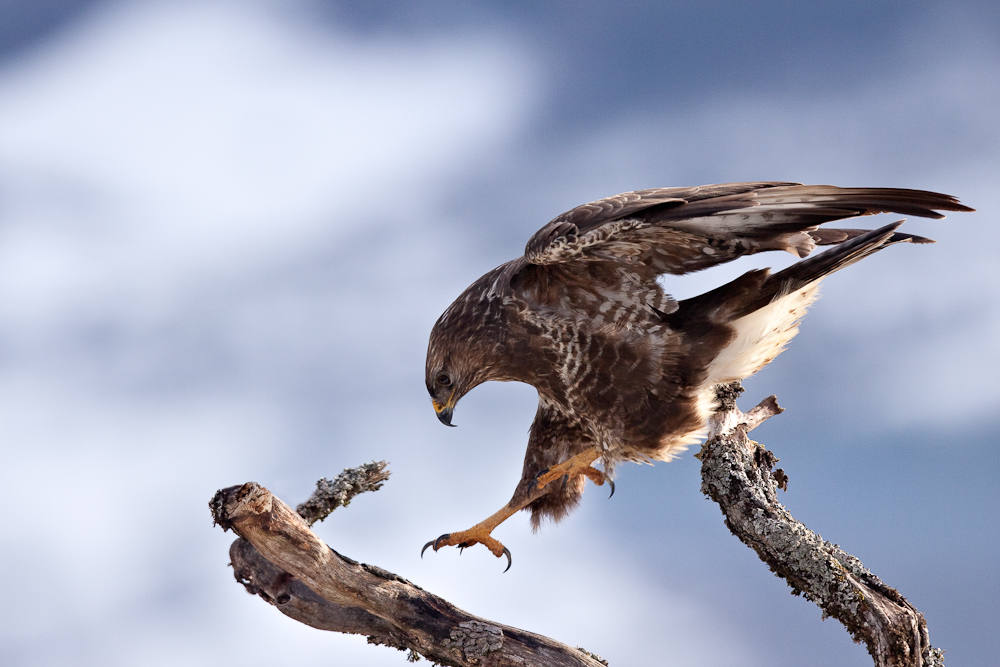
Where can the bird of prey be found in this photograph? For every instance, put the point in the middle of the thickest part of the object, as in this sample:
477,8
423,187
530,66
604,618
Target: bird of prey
624,372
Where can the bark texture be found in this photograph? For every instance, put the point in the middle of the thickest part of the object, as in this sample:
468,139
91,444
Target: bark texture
737,473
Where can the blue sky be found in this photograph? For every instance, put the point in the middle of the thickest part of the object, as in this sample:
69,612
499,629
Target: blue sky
226,229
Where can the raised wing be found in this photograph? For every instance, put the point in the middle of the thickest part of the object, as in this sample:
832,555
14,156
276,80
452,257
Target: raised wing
678,230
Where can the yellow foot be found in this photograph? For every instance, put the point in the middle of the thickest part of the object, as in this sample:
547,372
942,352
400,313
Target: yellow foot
468,538
573,467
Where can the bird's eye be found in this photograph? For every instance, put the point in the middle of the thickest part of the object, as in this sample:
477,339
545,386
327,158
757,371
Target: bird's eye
444,380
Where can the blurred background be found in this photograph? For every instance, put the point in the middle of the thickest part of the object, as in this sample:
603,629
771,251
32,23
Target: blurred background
227,227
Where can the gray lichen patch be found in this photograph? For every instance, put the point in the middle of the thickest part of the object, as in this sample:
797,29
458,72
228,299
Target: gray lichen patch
476,639
592,655
329,495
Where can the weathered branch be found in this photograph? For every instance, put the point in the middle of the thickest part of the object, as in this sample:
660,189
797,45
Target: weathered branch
283,561
328,495
737,474
279,558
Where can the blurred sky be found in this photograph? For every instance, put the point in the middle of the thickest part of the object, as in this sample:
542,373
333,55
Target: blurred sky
226,229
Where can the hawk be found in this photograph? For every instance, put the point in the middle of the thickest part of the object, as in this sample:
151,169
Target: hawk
624,372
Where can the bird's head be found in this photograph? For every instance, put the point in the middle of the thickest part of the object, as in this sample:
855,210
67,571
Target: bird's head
450,373
465,349
446,387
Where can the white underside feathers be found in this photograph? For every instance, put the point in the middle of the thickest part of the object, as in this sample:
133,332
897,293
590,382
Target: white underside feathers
760,337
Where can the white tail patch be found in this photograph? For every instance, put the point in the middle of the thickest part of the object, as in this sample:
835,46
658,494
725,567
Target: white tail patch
761,336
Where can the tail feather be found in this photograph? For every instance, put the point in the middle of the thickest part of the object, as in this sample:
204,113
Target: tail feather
755,289
830,236
763,310
816,268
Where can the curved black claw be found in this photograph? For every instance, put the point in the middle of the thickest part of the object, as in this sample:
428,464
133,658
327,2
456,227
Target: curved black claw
506,552
435,543
611,483
534,481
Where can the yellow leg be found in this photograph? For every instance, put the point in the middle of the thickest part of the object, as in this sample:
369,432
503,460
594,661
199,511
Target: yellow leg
481,532
571,467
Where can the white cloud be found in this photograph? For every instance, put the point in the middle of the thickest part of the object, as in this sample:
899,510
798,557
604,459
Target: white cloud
164,169
164,145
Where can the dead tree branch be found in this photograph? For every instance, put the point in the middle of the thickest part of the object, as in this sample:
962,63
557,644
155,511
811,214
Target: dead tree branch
737,474
279,558
283,561
328,495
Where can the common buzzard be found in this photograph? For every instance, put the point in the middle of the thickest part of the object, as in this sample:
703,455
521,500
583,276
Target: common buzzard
623,371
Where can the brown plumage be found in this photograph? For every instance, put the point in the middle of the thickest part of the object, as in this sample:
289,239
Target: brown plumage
623,371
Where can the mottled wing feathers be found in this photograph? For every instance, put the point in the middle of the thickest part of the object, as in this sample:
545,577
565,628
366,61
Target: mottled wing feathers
678,230
571,235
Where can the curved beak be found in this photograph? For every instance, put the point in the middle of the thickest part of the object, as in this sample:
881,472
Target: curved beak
444,411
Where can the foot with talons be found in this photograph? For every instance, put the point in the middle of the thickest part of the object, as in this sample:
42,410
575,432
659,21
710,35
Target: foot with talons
573,467
468,538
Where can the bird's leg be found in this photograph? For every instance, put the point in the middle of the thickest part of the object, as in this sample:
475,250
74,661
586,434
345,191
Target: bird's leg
481,532
478,534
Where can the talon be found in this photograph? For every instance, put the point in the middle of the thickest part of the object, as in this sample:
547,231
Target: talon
540,483
611,483
506,552
435,543
425,548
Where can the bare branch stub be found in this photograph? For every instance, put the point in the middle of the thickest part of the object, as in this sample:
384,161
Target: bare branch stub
280,559
736,473
328,495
